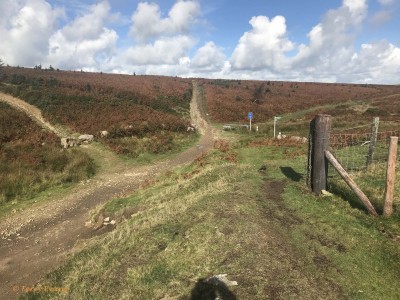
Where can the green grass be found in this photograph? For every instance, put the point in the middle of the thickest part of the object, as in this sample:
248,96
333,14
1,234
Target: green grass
148,150
265,230
39,198
372,182
338,242
23,183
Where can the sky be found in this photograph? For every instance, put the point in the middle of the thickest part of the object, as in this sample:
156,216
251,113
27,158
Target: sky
351,41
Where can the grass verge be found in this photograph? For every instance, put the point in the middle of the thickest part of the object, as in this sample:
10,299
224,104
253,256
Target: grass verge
223,216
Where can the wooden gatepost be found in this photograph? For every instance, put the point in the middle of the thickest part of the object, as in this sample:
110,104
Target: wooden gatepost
319,156
320,128
390,176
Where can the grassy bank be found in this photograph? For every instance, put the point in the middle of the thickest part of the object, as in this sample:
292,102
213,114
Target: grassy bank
152,148
221,215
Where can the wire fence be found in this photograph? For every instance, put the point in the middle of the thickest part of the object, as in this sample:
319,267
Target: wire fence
353,150
351,147
364,156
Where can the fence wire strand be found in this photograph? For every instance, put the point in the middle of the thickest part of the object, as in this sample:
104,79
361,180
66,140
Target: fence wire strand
353,149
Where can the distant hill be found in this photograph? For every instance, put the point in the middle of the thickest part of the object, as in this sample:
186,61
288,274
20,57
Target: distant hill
123,105
231,100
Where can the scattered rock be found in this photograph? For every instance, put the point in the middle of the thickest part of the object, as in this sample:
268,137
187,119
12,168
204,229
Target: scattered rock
295,138
326,193
67,142
99,222
107,219
281,136
299,139
86,138
220,279
113,222
104,133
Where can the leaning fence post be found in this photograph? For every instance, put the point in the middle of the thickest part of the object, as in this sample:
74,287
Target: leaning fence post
374,136
320,128
346,177
390,176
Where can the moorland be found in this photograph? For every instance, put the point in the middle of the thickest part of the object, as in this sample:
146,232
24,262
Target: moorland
186,208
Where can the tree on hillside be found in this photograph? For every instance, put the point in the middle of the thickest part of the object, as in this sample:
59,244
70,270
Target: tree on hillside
258,93
1,66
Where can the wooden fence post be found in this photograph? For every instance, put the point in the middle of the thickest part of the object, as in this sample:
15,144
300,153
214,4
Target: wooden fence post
390,176
374,137
320,128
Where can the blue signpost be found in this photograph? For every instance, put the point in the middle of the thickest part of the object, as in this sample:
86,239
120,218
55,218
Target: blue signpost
250,116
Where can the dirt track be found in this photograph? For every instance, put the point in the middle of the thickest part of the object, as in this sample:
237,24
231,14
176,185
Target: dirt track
37,240
32,111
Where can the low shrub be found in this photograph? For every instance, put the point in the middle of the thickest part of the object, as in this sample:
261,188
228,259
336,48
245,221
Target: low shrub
31,159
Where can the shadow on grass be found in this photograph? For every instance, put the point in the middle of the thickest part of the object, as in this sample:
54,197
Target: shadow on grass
204,290
347,194
291,174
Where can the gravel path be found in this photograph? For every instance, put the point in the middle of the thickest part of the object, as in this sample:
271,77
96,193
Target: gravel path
38,239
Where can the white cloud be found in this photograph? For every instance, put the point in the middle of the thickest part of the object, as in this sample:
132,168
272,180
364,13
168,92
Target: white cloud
330,55
8,10
381,17
209,58
85,42
161,42
164,51
357,9
25,29
89,25
148,24
375,62
386,2
332,41
264,46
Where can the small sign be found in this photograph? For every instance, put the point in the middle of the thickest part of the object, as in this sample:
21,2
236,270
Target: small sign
250,115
